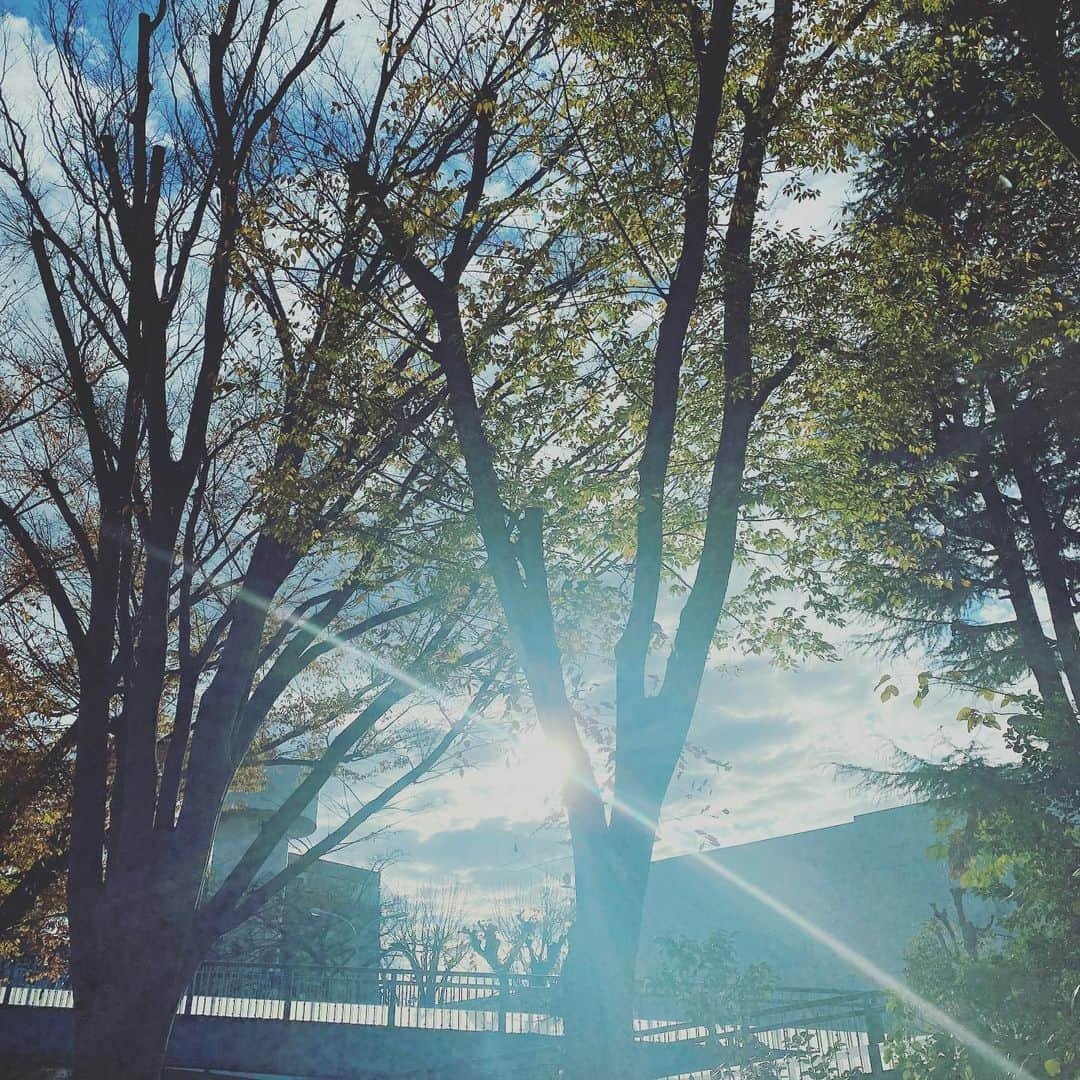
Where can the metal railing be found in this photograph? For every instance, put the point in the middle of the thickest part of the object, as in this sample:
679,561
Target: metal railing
773,1023
793,1025
21,984
386,997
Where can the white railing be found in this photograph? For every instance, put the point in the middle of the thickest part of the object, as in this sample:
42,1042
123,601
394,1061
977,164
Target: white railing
780,1023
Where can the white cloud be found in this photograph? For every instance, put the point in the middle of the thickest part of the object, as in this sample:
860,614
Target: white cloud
782,732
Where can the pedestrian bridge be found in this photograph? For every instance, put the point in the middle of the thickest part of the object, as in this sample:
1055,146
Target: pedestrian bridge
358,1023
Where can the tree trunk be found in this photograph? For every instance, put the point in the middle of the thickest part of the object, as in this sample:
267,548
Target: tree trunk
598,996
599,975
127,987
122,1030
612,875
1047,536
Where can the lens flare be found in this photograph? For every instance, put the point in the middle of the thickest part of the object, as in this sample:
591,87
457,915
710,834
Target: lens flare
989,1054
883,979
321,633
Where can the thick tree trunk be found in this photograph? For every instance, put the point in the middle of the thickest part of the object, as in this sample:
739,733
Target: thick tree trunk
598,994
128,984
122,1031
612,875
599,976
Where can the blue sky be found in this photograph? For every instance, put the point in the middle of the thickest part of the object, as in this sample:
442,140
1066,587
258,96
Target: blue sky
782,733
496,828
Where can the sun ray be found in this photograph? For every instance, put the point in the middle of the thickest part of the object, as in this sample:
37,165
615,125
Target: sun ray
930,1012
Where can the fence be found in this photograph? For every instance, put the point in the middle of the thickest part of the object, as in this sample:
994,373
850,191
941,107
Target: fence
451,1000
786,1023
793,1027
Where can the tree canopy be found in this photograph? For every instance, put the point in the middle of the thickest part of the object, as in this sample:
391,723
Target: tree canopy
357,379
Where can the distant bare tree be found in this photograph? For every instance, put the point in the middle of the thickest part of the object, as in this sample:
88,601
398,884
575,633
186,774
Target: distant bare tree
429,937
541,922
528,935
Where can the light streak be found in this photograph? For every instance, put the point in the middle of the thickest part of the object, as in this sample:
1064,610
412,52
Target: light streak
989,1054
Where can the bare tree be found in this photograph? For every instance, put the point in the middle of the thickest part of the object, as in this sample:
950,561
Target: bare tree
428,936
527,934
541,920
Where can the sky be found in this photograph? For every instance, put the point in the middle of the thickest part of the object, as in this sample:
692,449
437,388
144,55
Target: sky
496,828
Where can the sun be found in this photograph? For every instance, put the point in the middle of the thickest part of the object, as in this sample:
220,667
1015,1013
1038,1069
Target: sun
541,768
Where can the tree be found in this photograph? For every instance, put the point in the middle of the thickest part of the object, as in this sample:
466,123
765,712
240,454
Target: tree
527,932
527,935
728,95
1025,59
486,940
429,937
704,982
500,953
945,499
703,978
212,480
1011,980
950,486
35,780
541,920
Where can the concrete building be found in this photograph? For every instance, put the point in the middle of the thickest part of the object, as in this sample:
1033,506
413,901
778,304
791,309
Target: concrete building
869,883
329,915
243,815
334,911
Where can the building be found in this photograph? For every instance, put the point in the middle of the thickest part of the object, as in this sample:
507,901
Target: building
243,814
334,915
328,916
869,883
